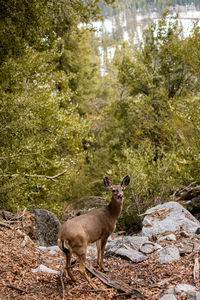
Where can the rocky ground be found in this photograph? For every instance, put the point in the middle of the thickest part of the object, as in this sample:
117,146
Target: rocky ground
20,255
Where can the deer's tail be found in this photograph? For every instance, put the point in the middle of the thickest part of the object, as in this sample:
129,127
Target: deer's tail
64,246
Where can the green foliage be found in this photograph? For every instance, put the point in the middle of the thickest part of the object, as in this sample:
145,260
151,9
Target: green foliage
38,136
48,70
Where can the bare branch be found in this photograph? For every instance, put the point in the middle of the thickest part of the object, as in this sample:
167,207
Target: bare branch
35,175
18,218
55,176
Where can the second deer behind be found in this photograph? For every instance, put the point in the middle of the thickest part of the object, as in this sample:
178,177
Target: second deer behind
96,226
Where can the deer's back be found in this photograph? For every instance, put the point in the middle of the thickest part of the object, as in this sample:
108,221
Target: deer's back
89,227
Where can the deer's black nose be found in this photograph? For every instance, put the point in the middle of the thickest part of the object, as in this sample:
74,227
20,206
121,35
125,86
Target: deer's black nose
120,196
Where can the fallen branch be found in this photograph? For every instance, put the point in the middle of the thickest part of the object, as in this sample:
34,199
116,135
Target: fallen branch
5,225
16,288
196,268
99,290
117,284
17,218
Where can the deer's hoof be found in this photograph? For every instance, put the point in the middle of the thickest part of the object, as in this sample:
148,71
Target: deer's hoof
105,270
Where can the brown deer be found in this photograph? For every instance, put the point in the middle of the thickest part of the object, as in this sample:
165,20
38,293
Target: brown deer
95,226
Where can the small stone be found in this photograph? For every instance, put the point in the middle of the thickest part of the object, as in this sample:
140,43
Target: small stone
43,268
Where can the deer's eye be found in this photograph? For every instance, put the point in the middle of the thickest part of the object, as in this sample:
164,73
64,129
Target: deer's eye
114,191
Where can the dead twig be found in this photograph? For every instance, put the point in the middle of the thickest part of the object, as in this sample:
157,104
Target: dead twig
5,225
16,288
145,252
196,268
99,290
62,283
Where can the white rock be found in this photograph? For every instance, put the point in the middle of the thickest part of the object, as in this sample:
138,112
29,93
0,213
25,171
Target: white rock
188,289
170,216
50,248
169,237
43,268
91,252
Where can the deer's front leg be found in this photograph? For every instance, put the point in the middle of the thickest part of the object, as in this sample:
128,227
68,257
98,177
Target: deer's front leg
103,245
98,244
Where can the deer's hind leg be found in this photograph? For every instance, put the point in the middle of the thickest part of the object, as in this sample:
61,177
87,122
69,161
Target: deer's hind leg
80,252
83,272
68,265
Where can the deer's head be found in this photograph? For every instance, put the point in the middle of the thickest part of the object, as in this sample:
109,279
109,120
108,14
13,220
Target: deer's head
117,190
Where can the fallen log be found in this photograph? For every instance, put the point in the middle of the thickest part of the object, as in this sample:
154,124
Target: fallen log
117,284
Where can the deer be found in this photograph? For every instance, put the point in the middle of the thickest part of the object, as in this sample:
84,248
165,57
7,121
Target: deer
96,226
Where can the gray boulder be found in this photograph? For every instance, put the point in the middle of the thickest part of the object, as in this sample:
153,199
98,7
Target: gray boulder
133,255
168,254
133,242
170,216
134,248
47,227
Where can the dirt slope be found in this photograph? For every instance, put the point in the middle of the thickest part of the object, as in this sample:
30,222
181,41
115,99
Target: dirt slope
19,255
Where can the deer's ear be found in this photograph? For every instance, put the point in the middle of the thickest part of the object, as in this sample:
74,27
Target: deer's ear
107,181
125,181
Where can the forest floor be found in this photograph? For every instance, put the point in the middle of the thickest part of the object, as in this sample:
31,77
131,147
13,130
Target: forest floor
19,256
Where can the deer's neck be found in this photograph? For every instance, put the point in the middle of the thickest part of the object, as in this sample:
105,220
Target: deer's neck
114,208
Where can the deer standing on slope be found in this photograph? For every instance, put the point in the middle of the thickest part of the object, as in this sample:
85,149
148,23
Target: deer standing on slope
95,226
